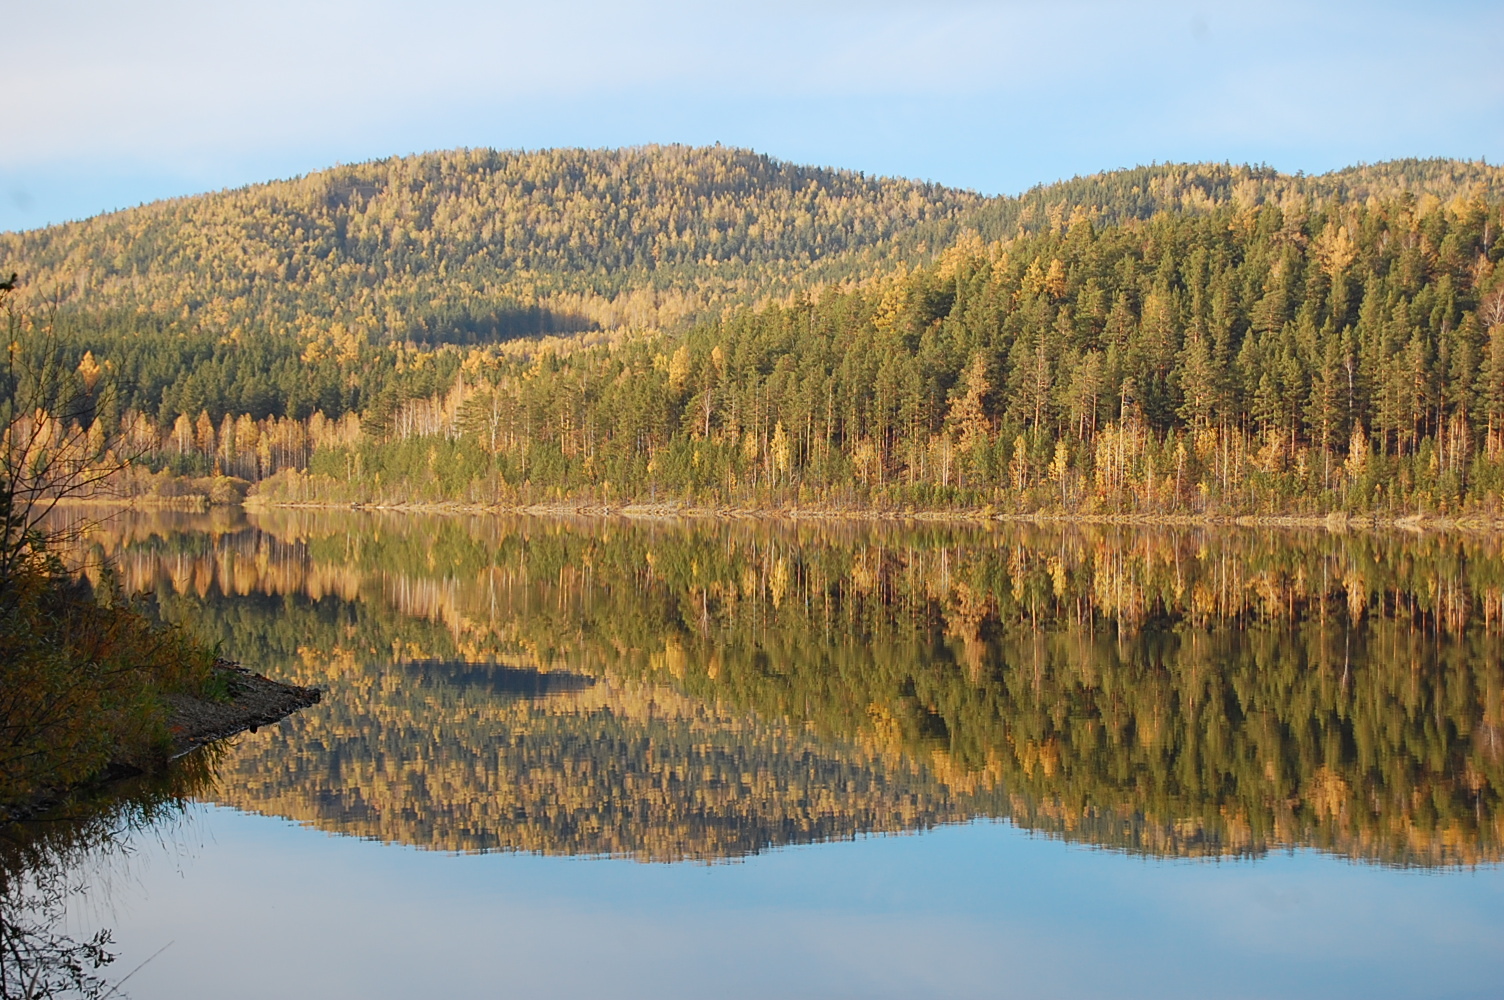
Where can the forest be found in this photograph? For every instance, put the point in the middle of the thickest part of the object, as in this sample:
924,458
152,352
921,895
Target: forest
712,328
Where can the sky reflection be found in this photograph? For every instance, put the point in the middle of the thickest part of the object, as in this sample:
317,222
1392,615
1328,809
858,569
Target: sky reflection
263,907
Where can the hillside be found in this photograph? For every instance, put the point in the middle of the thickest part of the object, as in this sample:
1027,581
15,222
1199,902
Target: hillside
733,330
1346,357
475,246
479,245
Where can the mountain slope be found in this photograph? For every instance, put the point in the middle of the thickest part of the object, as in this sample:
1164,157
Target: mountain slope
1117,196
481,245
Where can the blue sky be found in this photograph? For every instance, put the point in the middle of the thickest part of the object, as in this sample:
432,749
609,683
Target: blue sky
110,104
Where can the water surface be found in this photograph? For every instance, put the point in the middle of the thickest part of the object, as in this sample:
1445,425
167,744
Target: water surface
565,757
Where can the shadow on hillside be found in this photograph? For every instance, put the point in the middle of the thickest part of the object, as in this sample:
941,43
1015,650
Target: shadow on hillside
466,328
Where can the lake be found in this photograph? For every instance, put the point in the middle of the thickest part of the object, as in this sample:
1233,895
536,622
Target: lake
567,757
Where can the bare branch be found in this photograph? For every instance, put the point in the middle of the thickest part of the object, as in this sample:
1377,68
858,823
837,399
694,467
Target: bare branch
52,446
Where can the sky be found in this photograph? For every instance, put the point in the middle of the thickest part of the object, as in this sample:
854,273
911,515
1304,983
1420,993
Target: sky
109,104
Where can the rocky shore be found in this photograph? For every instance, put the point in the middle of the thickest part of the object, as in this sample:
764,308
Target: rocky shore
1337,521
250,701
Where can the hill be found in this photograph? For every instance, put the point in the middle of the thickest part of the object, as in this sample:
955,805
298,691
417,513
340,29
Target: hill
479,245
731,329
1116,196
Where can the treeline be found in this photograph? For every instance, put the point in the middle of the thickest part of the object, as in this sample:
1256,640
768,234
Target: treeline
1330,357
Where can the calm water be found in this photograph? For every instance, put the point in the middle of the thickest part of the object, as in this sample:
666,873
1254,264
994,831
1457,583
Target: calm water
567,758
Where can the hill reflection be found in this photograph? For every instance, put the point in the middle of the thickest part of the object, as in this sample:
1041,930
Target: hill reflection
705,690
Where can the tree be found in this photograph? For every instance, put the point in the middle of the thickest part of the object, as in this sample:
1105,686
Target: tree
1198,382
47,450
968,413
81,679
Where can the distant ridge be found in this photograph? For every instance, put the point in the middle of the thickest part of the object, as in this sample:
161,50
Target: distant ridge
1114,196
478,245
482,244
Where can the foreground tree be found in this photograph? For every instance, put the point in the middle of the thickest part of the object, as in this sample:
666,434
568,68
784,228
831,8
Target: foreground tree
81,679
52,442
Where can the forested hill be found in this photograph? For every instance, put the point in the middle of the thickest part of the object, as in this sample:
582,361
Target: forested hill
1205,339
476,246
481,245
1117,196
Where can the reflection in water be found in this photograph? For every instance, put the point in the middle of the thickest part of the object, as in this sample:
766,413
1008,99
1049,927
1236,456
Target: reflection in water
672,690
43,866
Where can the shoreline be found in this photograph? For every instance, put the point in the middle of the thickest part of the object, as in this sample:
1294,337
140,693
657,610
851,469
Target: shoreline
194,503
1335,522
254,700
193,722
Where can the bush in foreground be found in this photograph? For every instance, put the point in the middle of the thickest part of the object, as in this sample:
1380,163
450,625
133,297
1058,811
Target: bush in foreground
82,684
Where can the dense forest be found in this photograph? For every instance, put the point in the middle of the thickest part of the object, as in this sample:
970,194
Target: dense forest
717,328
1182,692
481,245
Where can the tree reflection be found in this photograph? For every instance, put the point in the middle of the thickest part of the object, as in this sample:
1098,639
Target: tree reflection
45,865
1166,691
